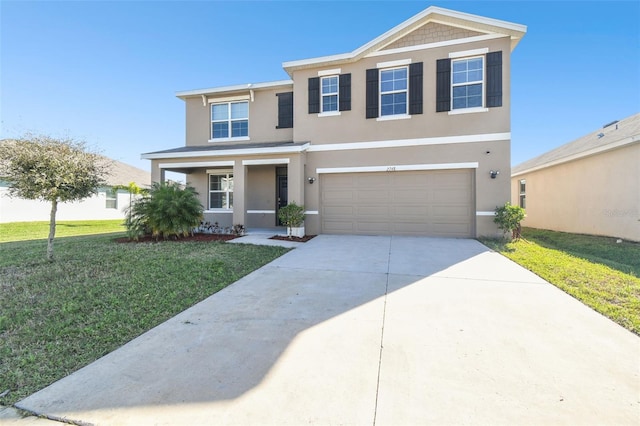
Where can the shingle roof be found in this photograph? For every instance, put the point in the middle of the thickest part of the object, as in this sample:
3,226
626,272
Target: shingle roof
623,132
224,147
123,174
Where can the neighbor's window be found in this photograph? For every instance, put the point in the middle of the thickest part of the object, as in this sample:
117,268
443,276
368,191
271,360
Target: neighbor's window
393,91
111,200
523,193
229,120
467,80
329,87
221,191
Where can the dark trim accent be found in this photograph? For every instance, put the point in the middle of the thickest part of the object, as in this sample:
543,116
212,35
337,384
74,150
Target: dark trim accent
314,95
443,85
285,110
372,93
415,88
494,79
344,92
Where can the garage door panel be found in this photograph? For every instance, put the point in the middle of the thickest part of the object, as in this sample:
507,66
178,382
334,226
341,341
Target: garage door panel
429,203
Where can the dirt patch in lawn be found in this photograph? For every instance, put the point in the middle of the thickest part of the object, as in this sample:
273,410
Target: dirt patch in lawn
194,237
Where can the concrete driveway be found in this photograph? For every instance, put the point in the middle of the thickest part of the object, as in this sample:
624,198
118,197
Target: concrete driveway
368,330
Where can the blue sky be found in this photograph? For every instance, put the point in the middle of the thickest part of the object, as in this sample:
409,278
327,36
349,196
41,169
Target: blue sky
107,72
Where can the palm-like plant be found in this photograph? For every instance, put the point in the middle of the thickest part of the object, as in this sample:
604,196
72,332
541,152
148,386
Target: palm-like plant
169,210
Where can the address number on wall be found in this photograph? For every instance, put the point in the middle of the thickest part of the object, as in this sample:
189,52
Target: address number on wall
391,168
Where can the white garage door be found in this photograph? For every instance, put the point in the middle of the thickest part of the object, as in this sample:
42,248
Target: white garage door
427,203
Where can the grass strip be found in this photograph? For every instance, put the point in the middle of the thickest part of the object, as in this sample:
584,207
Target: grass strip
584,267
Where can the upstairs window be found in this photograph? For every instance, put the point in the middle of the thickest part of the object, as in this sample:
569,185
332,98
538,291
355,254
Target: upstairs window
393,91
467,83
221,191
229,120
329,87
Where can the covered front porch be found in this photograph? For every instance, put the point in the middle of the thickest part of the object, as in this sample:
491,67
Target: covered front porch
239,184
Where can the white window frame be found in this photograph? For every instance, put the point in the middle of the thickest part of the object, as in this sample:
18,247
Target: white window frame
381,93
229,204
229,120
469,83
522,189
336,94
111,199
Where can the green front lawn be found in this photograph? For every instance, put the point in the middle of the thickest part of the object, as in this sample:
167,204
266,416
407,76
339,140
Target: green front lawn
598,271
23,231
97,295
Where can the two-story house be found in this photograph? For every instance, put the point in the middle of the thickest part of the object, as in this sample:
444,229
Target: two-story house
408,134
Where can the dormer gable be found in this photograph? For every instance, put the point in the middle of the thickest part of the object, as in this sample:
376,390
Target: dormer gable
429,27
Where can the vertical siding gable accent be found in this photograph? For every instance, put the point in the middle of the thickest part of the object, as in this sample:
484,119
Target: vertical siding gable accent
285,110
314,95
494,79
372,93
415,88
443,85
344,94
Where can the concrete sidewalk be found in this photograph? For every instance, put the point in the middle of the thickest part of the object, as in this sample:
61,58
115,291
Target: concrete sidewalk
368,330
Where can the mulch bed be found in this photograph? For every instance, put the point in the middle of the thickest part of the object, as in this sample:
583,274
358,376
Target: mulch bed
294,239
194,237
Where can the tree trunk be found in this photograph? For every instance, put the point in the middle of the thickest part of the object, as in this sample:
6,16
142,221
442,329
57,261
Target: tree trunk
52,230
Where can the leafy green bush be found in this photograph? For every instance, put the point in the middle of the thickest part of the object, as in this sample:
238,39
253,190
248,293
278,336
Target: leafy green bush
291,215
169,210
508,218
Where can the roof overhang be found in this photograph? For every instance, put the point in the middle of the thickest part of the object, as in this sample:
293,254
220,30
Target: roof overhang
235,89
432,14
232,151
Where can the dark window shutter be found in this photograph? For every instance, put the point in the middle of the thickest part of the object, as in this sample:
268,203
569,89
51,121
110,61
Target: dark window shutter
285,110
345,92
494,79
372,93
415,88
314,95
443,85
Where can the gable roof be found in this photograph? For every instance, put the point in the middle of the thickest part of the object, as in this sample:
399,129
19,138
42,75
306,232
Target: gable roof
122,174
611,136
431,14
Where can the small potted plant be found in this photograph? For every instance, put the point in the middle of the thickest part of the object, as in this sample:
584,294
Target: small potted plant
292,216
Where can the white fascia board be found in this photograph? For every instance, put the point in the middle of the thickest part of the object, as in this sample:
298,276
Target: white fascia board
397,168
234,88
489,137
599,150
266,161
435,45
196,164
227,152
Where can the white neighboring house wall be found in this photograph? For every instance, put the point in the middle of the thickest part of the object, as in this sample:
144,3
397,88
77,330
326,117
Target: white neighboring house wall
94,208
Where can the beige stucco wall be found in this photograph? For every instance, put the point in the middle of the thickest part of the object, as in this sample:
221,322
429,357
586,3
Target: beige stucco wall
352,126
597,195
263,118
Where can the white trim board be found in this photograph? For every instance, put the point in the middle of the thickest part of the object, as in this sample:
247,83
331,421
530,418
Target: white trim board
227,152
265,161
396,168
261,211
196,164
485,213
398,143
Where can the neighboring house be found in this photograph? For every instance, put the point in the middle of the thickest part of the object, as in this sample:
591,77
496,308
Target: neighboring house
396,137
104,205
588,186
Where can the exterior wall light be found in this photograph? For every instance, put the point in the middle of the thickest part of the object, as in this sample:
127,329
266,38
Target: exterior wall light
494,173
311,180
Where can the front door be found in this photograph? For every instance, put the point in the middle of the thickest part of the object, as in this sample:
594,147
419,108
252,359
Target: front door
282,198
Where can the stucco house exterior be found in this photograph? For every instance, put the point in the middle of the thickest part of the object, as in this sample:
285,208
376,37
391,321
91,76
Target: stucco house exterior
399,136
103,206
588,186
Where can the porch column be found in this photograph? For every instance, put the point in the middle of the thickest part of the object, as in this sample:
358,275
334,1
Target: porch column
157,174
239,183
295,179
